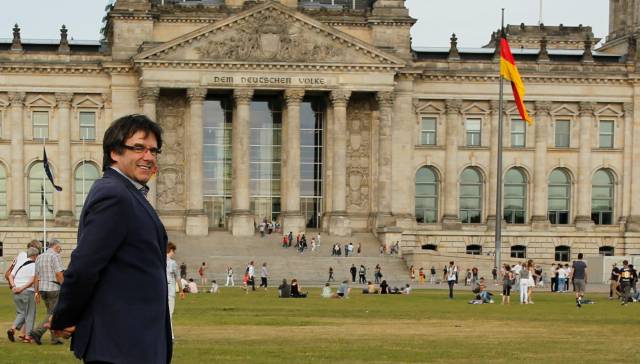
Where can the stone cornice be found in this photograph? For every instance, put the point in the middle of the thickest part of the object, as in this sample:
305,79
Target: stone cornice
50,68
131,16
267,66
530,79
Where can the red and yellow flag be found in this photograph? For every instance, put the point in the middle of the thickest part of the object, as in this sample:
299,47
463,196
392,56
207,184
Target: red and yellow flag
509,71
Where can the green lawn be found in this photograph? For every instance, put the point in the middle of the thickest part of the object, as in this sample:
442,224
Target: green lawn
425,327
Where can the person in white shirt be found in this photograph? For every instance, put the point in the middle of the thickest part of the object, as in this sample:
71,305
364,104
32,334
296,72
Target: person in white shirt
21,283
172,276
326,291
452,277
214,287
193,287
562,278
229,277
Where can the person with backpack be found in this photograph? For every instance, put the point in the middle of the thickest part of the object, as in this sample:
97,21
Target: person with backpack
21,283
507,283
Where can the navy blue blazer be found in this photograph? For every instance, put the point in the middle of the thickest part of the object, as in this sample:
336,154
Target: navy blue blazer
115,288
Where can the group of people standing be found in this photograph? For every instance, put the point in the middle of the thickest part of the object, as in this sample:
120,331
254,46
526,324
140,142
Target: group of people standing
301,243
336,250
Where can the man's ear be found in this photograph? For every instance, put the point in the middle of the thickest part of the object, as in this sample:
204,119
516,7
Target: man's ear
115,156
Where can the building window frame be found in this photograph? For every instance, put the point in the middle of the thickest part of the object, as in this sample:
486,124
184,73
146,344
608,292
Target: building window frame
518,251
606,138
470,210
511,213
86,129
473,132
562,133
606,251
427,196
562,253
602,193
518,133
40,127
559,216
474,249
89,179
428,130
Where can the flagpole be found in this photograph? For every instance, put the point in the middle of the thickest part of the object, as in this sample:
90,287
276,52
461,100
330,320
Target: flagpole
44,202
498,237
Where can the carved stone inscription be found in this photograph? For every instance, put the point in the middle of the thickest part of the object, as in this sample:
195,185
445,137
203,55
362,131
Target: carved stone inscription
359,116
171,177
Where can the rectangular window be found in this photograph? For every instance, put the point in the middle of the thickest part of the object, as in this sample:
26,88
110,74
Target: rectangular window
563,133
606,134
87,125
518,133
1,128
473,132
40,120
428,131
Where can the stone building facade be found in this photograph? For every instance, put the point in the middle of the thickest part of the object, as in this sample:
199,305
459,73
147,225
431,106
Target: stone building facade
321,115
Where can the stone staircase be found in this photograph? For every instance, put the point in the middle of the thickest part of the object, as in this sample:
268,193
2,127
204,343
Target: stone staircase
220,249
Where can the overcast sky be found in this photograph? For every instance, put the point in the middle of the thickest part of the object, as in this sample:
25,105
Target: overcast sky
471,20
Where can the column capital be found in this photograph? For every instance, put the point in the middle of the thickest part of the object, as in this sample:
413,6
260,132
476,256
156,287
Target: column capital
453,105
293,95
586,108
148,95
385,98
196,94
242,95
494,105
16,98
542,107
106,99
340,97
628,108
63,99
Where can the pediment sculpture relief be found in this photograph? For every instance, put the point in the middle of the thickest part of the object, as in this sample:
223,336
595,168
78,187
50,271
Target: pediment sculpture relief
269,36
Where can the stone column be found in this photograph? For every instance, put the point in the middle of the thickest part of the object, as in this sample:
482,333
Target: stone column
197,221
493,157
450,220
241,222
17,212
583,195
148,97
385,103
633,223
339,223
539,198
64,216
627,161
292,219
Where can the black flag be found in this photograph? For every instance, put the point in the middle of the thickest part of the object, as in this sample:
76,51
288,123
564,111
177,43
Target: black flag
44,200
47,170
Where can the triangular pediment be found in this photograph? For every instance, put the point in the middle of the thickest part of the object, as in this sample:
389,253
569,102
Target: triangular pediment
475,109
87,102
608,111
40,101
564,110
269,33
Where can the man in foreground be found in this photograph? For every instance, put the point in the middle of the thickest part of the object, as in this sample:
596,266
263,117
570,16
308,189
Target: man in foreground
579,278
113,301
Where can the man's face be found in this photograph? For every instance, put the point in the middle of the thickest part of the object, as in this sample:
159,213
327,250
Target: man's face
57,248
137,166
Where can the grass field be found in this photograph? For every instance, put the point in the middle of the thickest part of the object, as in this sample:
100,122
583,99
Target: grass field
424,327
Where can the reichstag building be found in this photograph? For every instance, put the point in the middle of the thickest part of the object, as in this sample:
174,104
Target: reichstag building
320,114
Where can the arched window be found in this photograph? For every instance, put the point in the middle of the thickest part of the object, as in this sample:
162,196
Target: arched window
474,249
602,197
430,247
515,196
519,251
426,195
3,193
470,196
559,197
40,191
563,253
606,251
85,175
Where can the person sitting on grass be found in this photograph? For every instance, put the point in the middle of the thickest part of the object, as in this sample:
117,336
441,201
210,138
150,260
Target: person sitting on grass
326,291
214,287
406,289
193,287
384,287
295,290
484,295
371,289
343,290
284,290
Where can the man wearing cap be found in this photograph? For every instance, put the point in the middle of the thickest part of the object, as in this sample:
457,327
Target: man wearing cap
48,278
